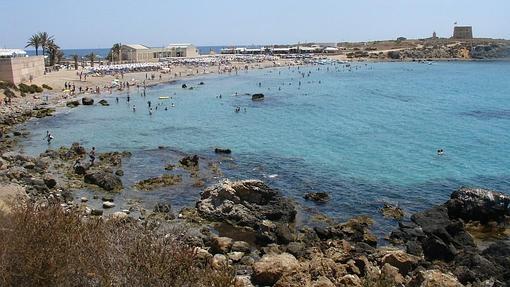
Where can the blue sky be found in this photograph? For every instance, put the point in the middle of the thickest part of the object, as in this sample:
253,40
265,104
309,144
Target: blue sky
100,23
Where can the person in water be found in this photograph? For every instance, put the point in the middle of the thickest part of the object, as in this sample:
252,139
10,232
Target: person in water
440,152
92,155
48,137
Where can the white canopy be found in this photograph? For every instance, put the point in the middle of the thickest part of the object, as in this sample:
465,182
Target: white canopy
12,53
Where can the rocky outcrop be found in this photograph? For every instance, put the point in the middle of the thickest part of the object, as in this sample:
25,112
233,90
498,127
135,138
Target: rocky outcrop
222,150
320,197
87,101
159,181
189,162
73,104
104,102
245,203
257,97
476,204
105,180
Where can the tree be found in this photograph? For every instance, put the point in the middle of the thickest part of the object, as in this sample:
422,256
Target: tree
75,59
114,54
46,40
54,52
91,57
34,41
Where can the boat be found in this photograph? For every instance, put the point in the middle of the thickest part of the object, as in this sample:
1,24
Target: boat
164,98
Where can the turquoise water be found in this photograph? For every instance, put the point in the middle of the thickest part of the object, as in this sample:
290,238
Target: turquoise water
366,134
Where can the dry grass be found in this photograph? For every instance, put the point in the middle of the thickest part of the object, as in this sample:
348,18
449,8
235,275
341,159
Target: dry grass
48,247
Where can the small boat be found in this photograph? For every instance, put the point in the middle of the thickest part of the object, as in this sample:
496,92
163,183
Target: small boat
164,98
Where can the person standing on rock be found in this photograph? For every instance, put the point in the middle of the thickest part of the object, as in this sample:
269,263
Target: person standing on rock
92,155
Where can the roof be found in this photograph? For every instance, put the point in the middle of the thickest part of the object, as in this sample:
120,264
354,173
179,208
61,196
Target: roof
12,52
136,46
185,45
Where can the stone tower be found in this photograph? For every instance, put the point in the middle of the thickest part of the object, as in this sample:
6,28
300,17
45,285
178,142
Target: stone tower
463,32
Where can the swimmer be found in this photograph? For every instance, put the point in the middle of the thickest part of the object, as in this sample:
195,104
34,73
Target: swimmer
440,152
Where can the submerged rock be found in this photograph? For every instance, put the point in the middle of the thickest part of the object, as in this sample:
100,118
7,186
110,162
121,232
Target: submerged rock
73,104
222,150
104,102
317,196
391,211
189,161
105,180
257,97
159,181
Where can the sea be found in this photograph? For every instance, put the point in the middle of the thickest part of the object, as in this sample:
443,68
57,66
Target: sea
367,134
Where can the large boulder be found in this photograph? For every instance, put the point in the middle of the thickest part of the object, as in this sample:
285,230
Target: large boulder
272,267
401,260
245,203
476,204
105,180
434,278
87,101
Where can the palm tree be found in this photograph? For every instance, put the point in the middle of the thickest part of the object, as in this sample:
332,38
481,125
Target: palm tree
46,40
53,51
34,41
75,59
92,58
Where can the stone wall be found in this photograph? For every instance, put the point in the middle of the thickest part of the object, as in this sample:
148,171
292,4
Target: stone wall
20,69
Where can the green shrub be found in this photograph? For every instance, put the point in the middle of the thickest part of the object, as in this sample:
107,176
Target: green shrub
24,88
9,85
9,93
47,87
36,88
45,246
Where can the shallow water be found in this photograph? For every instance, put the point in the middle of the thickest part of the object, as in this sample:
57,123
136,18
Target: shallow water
366,135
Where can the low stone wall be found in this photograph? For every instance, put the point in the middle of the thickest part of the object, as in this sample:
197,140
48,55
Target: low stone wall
21,69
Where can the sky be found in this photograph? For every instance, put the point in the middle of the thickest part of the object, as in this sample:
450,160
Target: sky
100,23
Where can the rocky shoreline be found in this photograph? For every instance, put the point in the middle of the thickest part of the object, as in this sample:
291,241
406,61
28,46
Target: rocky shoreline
432,249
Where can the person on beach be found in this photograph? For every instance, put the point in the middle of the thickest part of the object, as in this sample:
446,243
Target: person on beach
92,155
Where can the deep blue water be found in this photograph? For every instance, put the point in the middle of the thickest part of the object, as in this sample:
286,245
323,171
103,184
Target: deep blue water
366,135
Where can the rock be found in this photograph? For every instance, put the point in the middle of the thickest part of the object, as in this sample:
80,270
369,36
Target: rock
476,204
241,246
221,244
391,211
73,104
222,150
392,274
105,180
119,215
257,97
296,248
434,278
294,279
235,256
165,209
108,204
271,268
401,260
50,181
219,261
87,101
323,281
317,196
119,172
242,281
84,199
104,102
357,229
159,181
245,203
169,167
350,280
202,253
80,169
189,161
96,212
